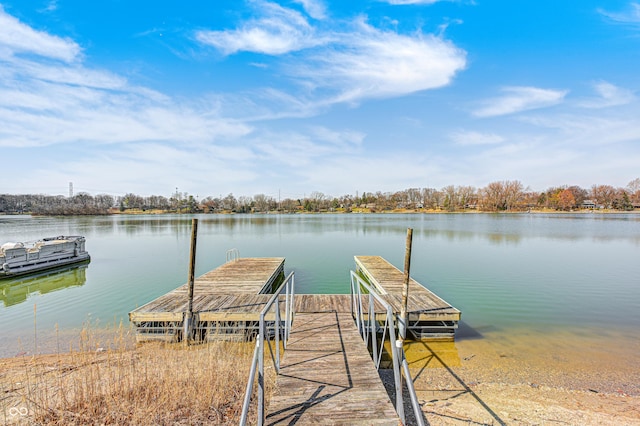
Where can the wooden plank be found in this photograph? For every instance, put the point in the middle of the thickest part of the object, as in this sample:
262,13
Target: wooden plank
328,377
322,303
423,303
212,291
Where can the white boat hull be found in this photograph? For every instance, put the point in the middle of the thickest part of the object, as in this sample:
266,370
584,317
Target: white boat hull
22,258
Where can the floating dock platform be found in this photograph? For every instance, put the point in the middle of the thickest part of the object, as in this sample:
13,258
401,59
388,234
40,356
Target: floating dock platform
429,316
228,300
327,375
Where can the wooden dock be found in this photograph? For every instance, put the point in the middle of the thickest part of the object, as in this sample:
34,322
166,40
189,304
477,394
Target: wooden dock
231,297
429,316
327,376
235,291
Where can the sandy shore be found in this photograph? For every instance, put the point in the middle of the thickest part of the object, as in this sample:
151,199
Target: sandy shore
529,380
519,378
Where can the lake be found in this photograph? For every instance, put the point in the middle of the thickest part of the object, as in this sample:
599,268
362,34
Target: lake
508,273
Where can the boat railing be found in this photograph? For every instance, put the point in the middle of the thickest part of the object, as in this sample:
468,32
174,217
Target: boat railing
280,329
364,300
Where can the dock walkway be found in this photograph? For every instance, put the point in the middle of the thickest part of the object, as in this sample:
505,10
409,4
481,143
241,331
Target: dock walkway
327,376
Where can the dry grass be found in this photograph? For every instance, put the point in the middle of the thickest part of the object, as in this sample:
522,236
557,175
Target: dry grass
158,384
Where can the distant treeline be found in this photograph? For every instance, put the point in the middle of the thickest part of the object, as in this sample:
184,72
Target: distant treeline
495,197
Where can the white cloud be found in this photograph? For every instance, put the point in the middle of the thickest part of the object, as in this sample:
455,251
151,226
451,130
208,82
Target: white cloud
341,139
52,98
402,2
279,31
53,5
301,149
147,168
592,130
369,172
315,8
475,138
519,98
371,63
16,37
344,65
609,95
632,16
62,73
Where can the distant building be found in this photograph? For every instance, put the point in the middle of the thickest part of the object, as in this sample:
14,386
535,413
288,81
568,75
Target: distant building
588,204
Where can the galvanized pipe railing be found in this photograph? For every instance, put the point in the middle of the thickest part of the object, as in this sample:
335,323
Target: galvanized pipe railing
257,364
365,317
232,255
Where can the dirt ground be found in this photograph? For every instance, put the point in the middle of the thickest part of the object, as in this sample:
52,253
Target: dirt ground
561,379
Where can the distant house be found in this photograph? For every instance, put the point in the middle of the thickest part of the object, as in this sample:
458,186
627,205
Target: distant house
588,204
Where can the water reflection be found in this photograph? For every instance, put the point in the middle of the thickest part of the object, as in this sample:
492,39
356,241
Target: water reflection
496,229
18,290
500,270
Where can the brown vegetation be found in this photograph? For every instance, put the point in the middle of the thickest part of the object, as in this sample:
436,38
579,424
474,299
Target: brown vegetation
152,384
470,382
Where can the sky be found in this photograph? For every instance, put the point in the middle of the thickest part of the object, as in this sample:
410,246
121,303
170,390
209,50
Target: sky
289,97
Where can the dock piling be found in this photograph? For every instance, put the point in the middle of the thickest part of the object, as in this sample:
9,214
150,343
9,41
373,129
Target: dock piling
402,323
188,317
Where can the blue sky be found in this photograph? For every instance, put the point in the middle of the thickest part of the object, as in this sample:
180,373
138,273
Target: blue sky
290,97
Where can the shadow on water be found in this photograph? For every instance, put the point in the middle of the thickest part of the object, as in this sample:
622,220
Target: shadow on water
17,290
466,332
424,355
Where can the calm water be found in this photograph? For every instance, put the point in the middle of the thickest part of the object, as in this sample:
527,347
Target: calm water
504,272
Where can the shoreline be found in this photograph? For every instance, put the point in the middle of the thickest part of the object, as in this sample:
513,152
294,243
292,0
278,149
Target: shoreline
511,376
366,211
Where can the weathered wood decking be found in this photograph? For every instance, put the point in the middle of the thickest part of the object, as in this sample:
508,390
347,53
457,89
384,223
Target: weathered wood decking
238,290
327,376
422,303
237,287
227,302
428,314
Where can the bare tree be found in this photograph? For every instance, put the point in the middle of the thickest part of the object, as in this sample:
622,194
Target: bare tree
513,193
634,190
431,198
244,204
229,202
261,202
450,198
603,194
468,196
493,197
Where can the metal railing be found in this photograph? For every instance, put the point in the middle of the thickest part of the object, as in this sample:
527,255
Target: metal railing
233,255
363,308
280,329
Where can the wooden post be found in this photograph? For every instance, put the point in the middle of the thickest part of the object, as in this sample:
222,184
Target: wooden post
188,318
403,324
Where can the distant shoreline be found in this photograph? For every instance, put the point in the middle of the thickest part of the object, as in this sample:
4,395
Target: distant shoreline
137,212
